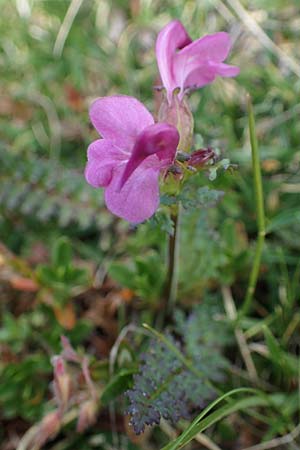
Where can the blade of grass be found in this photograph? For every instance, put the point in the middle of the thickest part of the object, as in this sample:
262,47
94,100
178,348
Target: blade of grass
243,404
260,212
198,425
66,27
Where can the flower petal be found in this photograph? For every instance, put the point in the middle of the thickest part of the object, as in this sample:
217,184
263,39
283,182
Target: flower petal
120,119
171,38
160,139
212,47
139,197
103,156
200,62
225,70
207,73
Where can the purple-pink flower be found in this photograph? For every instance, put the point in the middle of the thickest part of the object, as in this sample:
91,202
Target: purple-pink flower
185,64
128,159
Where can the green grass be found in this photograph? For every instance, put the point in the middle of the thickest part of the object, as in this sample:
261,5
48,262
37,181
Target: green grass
47,84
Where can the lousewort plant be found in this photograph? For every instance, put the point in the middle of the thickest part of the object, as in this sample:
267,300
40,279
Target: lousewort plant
137,160
150,275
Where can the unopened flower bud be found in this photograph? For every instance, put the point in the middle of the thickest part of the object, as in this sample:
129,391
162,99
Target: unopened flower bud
69,353
179,115
176,172
87,415
200,157
49,428
183,156
62,382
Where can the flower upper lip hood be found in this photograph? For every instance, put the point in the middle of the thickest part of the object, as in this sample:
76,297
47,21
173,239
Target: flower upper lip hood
129,157
186,64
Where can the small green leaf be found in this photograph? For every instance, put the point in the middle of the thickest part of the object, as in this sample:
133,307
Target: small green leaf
122,274
119,383
288,363
287,218
273,345
62,253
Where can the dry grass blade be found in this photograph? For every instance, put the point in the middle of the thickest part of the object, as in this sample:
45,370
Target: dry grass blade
66,27
276,443
260,34
240,337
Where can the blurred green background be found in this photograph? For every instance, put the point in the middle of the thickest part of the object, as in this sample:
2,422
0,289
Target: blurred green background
56,56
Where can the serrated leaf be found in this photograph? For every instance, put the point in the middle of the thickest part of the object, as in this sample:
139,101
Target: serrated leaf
32,189
203,197
167,387
168,200
162,221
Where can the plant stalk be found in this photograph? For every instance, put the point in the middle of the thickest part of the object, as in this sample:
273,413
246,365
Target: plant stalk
173,262
260,212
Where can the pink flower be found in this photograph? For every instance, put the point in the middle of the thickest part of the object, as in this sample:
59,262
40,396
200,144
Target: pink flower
129,158
186,64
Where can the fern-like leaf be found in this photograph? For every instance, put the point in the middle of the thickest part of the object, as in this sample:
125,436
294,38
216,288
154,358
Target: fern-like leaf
43,191
165,386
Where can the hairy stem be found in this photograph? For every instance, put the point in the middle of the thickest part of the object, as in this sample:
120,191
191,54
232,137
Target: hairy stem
260,212
173,256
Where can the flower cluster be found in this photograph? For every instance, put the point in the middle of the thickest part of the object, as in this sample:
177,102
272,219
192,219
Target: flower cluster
134,150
